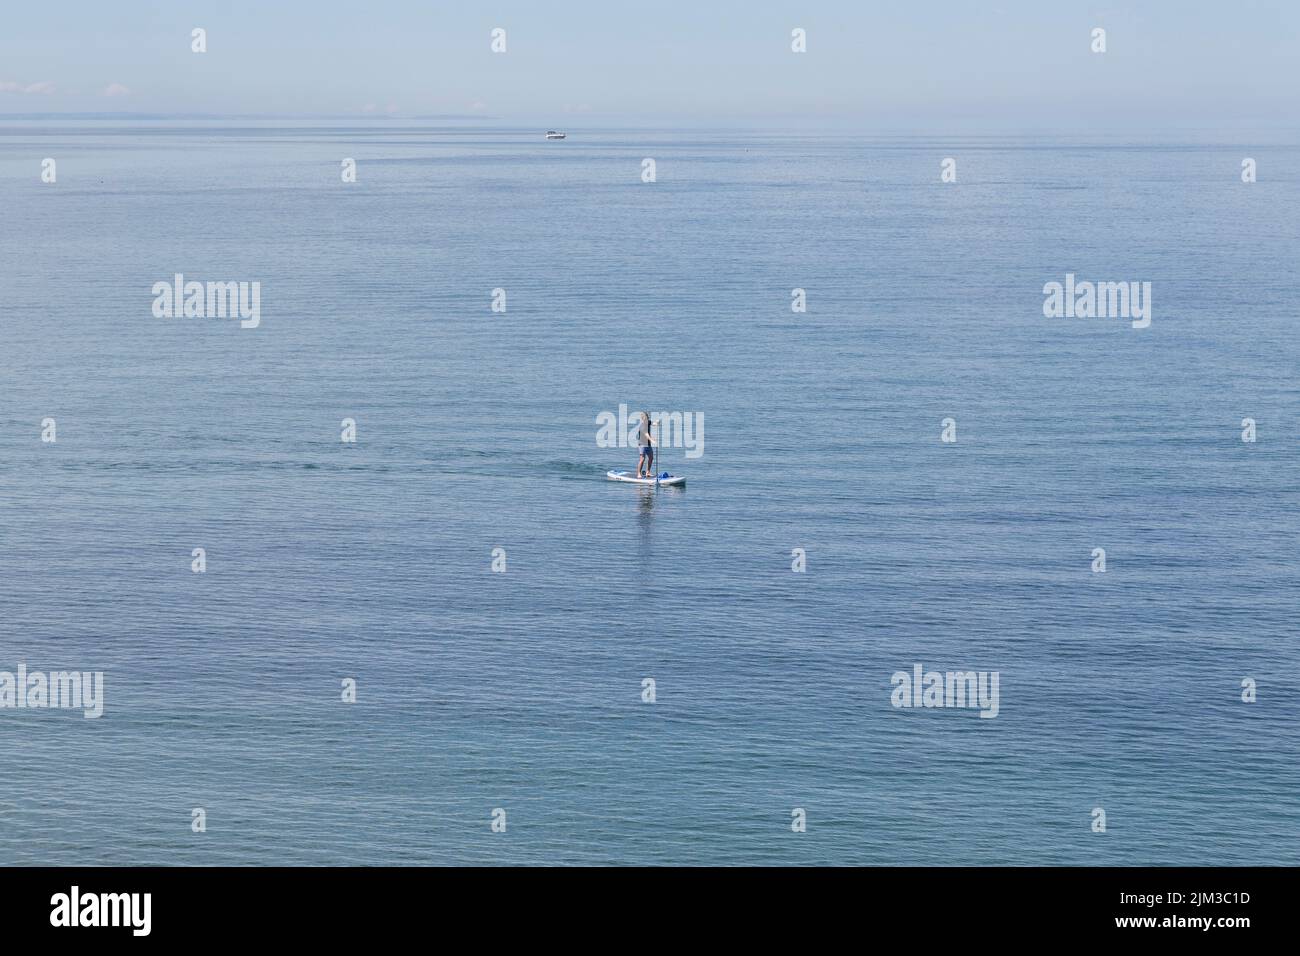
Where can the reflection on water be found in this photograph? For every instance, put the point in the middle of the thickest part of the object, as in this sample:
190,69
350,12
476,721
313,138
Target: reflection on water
649,497
646,505
645,511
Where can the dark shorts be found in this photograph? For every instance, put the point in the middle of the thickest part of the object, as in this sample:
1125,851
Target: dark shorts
648,451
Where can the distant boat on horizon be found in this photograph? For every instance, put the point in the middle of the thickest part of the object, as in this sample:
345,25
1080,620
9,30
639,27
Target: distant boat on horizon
552,134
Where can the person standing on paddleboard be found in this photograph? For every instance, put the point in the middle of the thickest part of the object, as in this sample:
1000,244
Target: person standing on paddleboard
645,441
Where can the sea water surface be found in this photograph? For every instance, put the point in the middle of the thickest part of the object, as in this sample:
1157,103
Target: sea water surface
476,430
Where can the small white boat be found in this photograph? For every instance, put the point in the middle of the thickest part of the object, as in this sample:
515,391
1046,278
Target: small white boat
553,134
664,479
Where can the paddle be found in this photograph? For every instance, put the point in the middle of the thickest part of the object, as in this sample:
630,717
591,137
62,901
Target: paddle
657,450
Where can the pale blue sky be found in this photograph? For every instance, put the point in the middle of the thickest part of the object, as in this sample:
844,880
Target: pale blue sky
1023,62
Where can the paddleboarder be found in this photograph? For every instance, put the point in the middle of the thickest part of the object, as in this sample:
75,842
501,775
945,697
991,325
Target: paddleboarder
646,443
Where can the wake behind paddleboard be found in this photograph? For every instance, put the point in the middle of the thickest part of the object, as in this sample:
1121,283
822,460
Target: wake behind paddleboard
664,479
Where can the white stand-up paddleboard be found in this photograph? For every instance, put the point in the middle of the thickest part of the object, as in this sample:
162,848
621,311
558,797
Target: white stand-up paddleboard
665,480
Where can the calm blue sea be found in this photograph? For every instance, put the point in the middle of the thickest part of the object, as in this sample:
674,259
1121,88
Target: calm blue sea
477,430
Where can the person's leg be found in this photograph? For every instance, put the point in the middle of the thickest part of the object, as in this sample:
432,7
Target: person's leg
640,465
